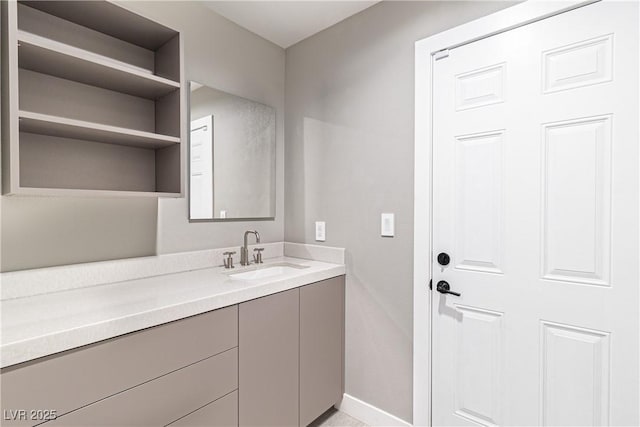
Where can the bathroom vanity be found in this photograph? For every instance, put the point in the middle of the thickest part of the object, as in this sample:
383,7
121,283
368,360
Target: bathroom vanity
270,352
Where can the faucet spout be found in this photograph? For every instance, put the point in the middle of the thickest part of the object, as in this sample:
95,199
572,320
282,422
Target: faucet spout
244,251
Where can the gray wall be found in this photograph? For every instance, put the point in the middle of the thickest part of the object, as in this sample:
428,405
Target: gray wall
39,232
47,231
349,157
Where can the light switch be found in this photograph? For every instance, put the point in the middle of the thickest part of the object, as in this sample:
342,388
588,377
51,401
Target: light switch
320,231
387,226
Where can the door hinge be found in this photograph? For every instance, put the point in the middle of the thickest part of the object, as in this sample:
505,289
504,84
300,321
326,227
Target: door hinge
430,284
441,54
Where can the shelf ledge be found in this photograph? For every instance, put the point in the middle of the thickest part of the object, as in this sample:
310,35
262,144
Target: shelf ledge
48,56
45,124
79,192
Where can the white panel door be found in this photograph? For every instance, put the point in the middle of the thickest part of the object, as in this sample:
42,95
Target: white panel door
535,200
201,169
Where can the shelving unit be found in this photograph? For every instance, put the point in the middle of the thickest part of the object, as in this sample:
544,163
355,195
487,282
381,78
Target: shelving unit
92,101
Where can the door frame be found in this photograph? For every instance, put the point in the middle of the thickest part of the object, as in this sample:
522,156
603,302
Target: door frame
425,50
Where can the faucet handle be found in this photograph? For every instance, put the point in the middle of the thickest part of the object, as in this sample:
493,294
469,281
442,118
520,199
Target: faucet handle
257,257
228,261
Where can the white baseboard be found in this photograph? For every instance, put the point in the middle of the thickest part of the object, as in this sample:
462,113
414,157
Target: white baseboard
369,414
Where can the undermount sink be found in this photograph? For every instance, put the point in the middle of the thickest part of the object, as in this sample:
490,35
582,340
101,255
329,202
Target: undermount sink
267,271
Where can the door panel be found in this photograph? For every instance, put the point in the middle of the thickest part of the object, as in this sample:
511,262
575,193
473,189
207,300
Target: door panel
478,193
577,200
579,64
535,198
575,391
481,87
479,364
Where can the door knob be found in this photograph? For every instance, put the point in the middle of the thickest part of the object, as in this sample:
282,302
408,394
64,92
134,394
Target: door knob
443,258
444,288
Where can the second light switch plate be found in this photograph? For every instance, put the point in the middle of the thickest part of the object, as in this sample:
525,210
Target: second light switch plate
387,226
320,231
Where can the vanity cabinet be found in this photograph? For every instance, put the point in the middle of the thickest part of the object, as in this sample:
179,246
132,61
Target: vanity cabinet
291,355
92,101
152,377
276,360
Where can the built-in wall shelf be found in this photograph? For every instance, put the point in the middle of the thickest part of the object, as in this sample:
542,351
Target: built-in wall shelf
107,18
92,101
68,62
68,192
44,124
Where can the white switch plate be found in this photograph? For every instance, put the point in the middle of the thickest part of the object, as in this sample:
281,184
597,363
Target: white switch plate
223,214
320,231
387,226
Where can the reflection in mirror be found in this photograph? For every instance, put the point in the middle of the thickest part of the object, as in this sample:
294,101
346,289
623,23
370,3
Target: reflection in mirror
232,156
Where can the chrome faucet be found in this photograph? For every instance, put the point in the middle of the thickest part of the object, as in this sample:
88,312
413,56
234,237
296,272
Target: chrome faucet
244,250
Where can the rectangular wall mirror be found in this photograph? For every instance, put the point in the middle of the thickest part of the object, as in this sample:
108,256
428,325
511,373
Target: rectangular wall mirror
232,152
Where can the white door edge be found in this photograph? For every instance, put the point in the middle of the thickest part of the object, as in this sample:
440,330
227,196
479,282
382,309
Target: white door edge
513,17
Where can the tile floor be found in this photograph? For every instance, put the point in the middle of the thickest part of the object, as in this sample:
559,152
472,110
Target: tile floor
335,418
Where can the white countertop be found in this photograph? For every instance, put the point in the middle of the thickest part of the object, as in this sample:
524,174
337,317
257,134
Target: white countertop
40,325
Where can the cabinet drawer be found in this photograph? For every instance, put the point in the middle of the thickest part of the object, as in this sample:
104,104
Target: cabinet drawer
74,378
163,400
221,413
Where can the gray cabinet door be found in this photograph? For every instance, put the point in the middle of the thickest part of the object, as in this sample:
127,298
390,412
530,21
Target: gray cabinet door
268,360
321,347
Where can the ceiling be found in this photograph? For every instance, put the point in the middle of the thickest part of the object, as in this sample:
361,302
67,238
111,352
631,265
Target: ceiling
287,22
